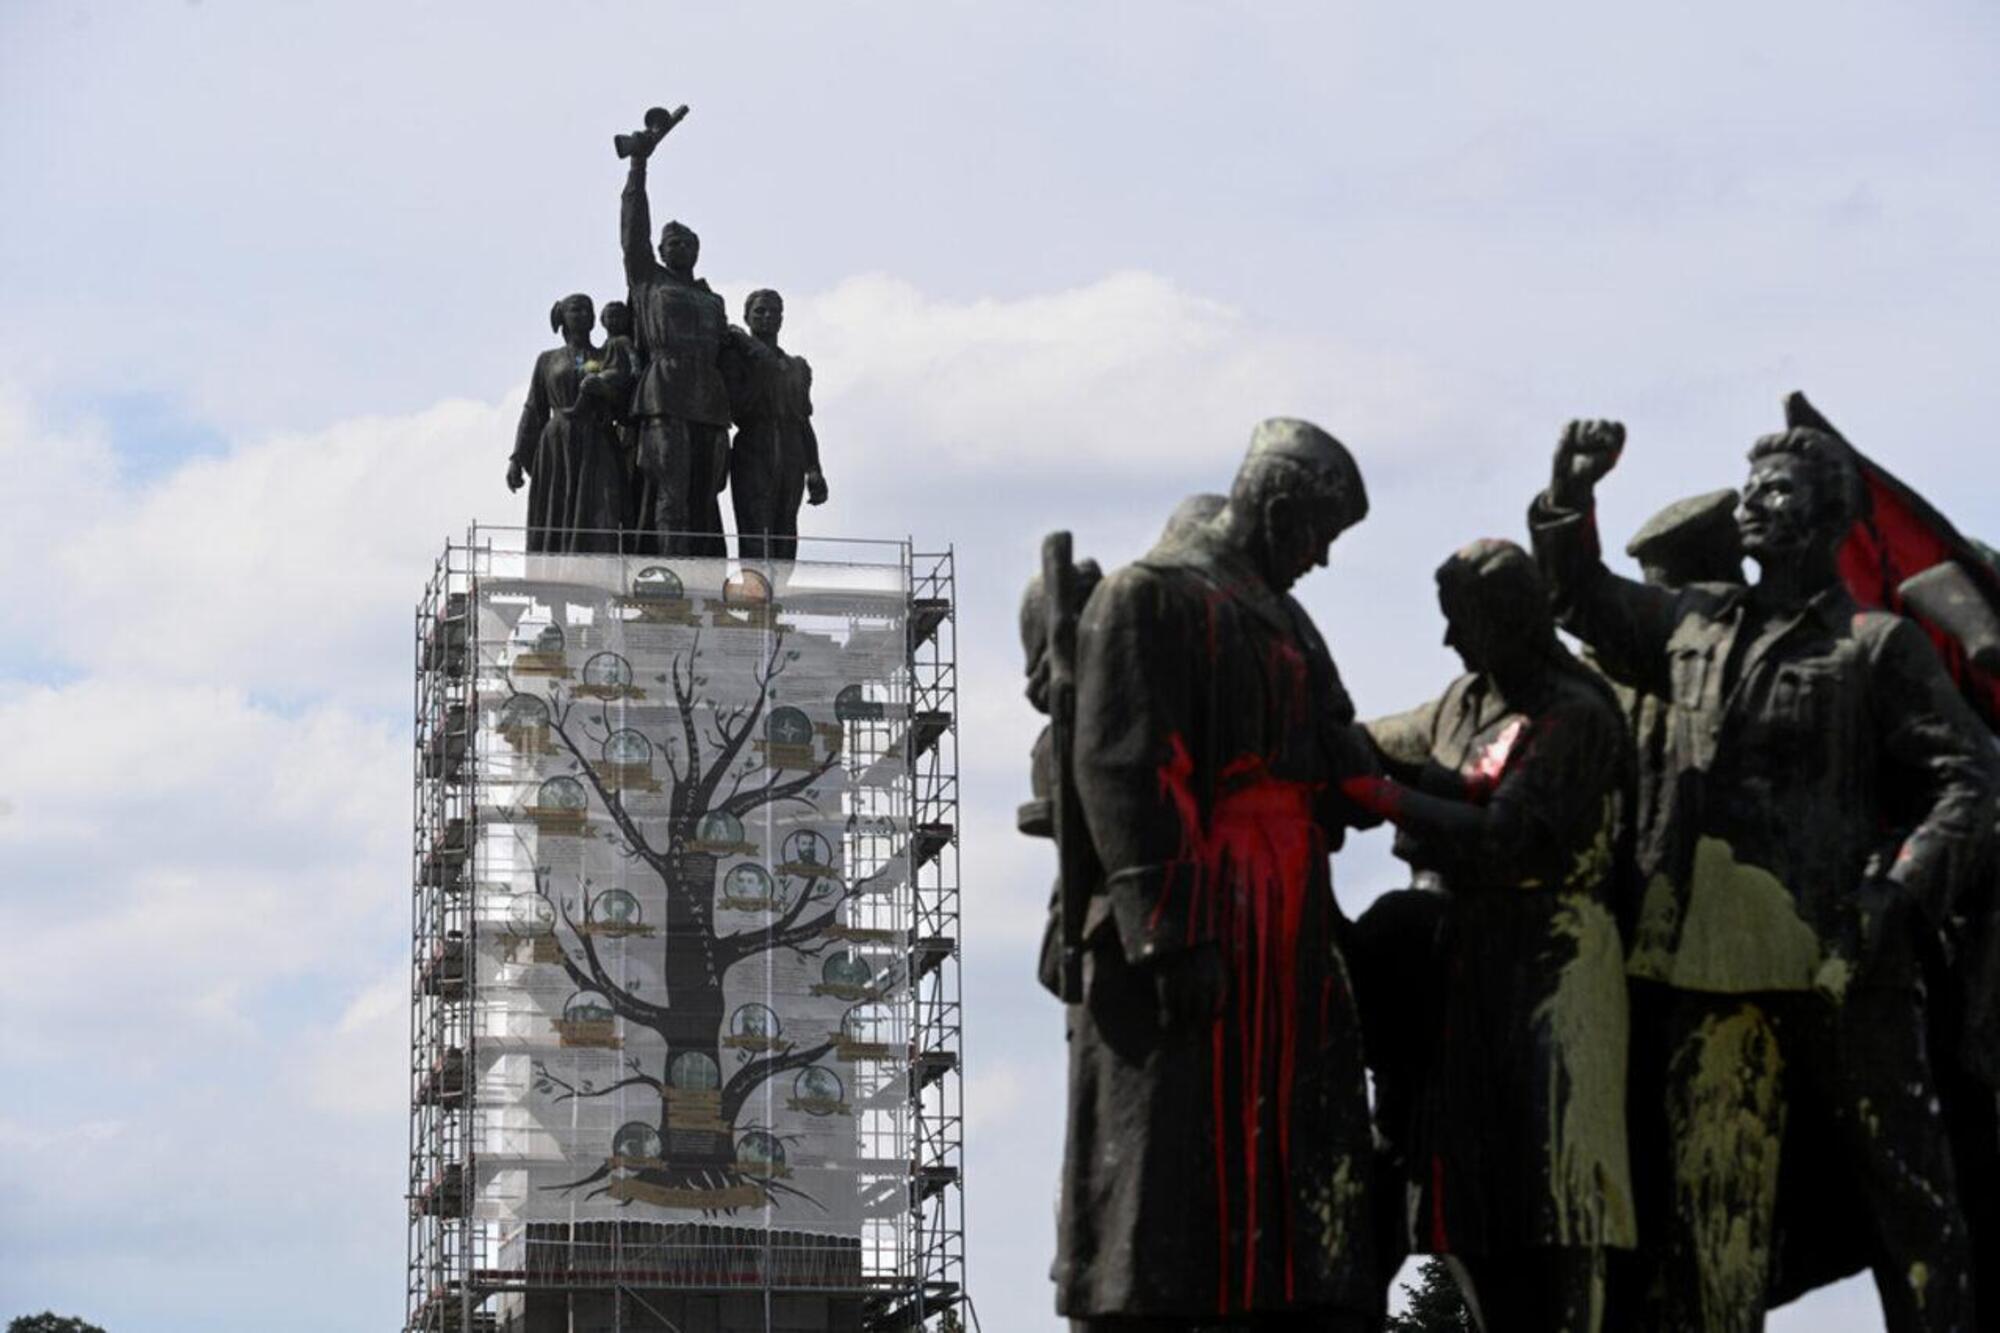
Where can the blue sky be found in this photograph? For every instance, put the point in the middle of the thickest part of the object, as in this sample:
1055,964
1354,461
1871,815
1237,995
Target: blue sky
275,275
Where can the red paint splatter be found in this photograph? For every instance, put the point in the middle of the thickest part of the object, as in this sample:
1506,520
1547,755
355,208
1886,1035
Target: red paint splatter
1250,863
1377,796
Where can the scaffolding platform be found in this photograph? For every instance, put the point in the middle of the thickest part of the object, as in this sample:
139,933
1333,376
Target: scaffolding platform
685,1033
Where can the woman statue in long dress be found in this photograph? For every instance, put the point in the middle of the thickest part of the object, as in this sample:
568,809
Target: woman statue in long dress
1511,790
567,443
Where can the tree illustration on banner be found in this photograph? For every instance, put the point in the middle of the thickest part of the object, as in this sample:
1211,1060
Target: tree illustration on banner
676,802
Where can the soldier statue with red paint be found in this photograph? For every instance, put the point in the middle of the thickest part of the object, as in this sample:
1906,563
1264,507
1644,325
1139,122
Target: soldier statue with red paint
1218,1142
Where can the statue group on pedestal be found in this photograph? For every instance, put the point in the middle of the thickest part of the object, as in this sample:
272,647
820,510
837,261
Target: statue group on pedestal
626,446
1690,1006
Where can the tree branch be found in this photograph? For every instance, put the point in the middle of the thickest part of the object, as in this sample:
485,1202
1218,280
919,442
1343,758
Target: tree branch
775,790
785,930
612,804
639,1011
573,1094
684,702
753,1075
773,667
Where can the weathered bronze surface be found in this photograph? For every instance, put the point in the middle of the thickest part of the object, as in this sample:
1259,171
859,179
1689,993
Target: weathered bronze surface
1218,1155
1694,1004
664,390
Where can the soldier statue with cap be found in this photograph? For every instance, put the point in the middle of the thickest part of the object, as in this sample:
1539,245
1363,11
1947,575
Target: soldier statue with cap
680,407
1218,1143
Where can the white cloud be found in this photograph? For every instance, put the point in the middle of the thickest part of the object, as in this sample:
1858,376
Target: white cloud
175,851
86,1136
360,1068
286,565
1082,379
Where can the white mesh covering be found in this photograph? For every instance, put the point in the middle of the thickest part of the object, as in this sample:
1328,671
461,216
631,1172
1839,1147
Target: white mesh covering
692,919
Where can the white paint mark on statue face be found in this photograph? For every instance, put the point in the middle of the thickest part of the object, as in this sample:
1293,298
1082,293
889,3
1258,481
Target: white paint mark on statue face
1779,508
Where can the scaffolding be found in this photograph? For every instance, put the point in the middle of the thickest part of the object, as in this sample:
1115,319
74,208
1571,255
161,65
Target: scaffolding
498,1239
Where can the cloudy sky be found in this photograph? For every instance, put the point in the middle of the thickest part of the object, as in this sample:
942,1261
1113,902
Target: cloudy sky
275,275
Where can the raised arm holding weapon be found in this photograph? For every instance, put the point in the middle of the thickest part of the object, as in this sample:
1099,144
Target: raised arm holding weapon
680,407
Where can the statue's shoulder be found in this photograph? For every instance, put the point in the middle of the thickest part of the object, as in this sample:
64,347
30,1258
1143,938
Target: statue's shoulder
1701,604
1144,590
1872,626
1877,635
1174,569
1587,696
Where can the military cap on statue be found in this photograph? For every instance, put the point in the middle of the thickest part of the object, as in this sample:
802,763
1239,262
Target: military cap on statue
1327,458
1698,524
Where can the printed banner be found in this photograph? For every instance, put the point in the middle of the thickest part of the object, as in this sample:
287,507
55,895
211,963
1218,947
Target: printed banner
693,918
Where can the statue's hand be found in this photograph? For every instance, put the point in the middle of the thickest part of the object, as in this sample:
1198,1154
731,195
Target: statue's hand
1587,452
815,488
1191,986
1376,797
639,144
515,477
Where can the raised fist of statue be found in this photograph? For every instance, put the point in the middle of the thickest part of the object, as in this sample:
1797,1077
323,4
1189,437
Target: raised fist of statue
1588,450
815,488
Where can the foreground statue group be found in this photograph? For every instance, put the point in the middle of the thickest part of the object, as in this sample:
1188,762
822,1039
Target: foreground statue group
1672,1025
626,446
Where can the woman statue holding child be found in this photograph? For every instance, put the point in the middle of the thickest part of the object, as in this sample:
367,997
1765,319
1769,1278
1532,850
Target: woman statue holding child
567,446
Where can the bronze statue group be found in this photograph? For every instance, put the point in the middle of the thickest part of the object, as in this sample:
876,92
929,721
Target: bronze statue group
1690,1006
625,446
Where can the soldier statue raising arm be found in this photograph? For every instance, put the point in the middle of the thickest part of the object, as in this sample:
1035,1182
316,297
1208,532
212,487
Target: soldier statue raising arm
680,407
1828,793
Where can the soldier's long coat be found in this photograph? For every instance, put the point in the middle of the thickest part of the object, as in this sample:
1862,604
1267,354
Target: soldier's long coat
1219,1166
